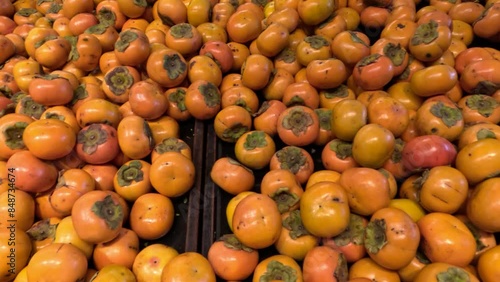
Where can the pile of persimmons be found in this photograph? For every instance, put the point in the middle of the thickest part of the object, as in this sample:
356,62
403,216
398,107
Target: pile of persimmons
400,97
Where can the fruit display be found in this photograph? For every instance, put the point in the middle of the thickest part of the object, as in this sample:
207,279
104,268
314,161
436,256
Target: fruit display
244,140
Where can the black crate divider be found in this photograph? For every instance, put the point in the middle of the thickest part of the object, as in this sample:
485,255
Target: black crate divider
193,215
211,224
184,234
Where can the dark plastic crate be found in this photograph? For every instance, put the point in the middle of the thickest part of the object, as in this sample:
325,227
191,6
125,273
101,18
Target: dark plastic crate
184,234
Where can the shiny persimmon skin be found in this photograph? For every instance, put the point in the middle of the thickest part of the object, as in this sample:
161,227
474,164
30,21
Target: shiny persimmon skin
230,263
446,239
232,176
257,214
92,227
58,261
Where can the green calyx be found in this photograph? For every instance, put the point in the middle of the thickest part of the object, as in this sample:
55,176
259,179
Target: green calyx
231,242
263,108
130,173
355,38
342,149
140,3
287,56
419,181
453,274
353,233
42,230
26,12
483,104
406,72
285,199
425,33
50,115
261,3
375,237
211,56
178,98
91,137
234,132
182,30
449,115
126,37
40,2
119,80
340,91
317,41
106,17
242,103
368,60
45,39
14,135
298,121
73,54
484,133
54,8
211,94
291,158
397,154
342,271
50,76
255,139
31,108
174,66
278,271
294,223
6,90
99,28
109,211
295,101
18,97
80,93
171,144
324,117
396,53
